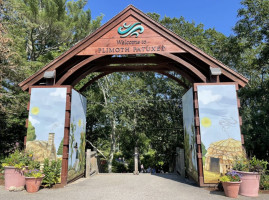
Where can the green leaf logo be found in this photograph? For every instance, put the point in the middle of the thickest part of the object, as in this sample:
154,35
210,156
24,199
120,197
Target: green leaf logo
130,29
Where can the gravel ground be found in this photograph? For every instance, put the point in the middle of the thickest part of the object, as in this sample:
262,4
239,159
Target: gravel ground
125,187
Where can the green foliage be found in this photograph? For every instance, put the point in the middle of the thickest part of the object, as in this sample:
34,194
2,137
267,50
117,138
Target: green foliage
209,40
241,164
150,159
257,165
249,54
31,132
72,138
119,167
34,165
225,179
33,33
252,165
231,176
35,173
52,172
60,148
146,109
18,159
264,182
82,155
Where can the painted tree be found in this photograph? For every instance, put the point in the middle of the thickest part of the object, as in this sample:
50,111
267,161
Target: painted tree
60,148
31,132
73,128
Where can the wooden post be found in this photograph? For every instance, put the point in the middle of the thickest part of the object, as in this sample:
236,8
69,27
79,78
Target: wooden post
64,173
181,162
88,163
136,172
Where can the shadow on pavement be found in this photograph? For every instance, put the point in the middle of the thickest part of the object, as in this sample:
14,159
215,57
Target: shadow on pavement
218,193
177,178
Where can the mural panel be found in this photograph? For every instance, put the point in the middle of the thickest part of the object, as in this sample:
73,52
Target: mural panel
220,129
189,135
46,123
77,143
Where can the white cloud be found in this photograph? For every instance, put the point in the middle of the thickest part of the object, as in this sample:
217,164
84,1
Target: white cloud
61,92
55,125
206,97
33,121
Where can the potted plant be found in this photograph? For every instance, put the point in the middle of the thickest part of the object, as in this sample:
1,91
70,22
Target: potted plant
231,183
14,165
33,180
250,171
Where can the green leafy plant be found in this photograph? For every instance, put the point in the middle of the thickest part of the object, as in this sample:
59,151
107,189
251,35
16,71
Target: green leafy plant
231,176
252,165
52,172
18,159
224,179
257,165
34,165
264,182
241,164
34,173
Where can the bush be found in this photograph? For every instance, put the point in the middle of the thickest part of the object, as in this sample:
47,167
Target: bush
252,165
264,182
52,172
117,166
18,159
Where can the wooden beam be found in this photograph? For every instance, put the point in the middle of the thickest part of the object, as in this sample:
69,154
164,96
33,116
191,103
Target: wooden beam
77,67
180,82
127,60
160,72
134,68
93,80
186,65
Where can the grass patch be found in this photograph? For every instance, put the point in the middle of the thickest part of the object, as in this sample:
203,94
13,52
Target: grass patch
211,177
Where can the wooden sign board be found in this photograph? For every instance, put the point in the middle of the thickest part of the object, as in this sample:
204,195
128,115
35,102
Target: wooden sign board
131,37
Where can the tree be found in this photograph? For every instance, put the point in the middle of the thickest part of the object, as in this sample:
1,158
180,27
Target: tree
250,56
60,148
31,132
72,139
32,34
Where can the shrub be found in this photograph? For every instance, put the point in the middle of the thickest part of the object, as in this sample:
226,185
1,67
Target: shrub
252,165
264,182
18,159
52,172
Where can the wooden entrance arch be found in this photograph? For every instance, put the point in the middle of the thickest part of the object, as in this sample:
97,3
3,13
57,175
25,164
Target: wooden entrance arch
132,41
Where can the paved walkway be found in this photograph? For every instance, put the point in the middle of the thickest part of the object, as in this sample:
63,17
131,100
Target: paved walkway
125,187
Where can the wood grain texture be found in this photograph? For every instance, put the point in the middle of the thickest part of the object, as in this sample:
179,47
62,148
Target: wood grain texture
112,43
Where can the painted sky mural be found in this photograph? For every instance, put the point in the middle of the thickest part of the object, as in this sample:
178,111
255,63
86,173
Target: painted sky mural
189,135
46,122
220,129
77,143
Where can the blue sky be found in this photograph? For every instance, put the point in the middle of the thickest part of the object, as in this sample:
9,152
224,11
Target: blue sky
222,110
218,14
50,116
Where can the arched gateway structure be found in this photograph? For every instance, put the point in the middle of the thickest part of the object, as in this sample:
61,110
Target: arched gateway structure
210,107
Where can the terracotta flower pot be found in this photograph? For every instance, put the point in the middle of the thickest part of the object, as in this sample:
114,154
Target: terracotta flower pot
250,184
33,184
14,178
231,189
